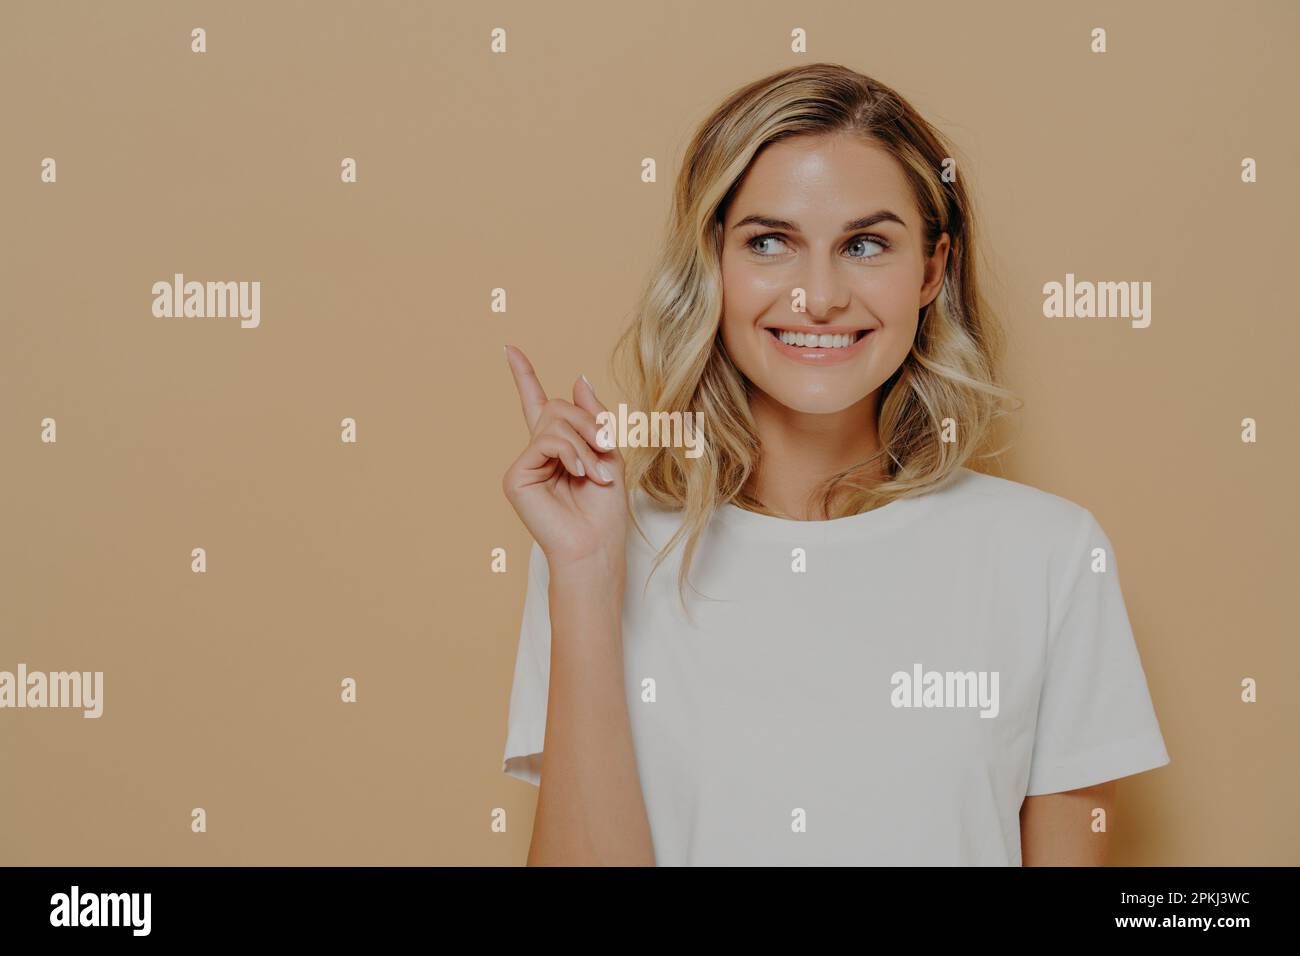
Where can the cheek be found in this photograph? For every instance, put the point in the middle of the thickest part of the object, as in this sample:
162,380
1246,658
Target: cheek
887,290
749,295
743,303
898,298
738,340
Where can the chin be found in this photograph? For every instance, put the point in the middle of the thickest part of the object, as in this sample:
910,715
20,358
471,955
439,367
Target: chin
815,401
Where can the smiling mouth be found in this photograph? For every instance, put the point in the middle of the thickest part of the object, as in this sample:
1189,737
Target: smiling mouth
817,340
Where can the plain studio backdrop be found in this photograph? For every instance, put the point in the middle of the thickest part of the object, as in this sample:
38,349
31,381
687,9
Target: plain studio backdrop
522,171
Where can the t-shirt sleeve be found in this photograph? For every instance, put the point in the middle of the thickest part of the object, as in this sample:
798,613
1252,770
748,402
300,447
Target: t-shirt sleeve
1095,717
526,725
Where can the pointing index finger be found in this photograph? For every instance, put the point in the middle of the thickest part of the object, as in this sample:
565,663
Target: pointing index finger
531,394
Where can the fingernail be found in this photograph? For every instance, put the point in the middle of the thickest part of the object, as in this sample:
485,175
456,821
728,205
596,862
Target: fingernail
589,385
581,472
603,472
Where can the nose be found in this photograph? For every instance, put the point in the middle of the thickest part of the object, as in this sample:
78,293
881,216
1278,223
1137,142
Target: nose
826,291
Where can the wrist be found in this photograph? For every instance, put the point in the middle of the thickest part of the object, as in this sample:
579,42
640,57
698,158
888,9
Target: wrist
601,564
599,573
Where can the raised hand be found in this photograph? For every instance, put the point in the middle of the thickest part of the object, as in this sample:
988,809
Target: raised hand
565,487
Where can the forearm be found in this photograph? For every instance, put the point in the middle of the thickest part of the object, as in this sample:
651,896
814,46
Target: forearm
590,810
1057,829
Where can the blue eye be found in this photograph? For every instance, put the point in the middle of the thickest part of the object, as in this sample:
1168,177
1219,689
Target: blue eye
761,239
753,242
872,241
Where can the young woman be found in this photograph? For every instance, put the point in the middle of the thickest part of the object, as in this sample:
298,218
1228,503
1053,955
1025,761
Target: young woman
862,652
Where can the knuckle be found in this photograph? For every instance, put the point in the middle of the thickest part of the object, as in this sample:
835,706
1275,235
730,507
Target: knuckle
559,428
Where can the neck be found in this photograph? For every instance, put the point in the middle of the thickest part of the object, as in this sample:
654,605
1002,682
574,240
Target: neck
800,450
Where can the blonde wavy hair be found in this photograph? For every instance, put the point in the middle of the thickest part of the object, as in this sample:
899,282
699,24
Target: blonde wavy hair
671,358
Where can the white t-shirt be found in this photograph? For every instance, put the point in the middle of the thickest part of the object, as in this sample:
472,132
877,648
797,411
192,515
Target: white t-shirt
881,689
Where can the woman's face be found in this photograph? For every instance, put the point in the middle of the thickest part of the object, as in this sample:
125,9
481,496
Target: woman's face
833,216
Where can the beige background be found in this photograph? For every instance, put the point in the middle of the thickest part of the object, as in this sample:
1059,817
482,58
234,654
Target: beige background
521,170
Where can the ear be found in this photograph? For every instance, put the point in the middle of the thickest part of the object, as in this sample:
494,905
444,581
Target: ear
936,267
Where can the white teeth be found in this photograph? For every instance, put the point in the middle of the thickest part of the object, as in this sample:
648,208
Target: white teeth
809,340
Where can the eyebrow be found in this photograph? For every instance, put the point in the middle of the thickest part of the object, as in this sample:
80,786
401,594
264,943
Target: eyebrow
865,222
